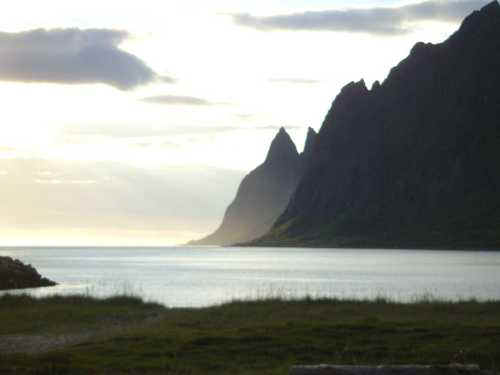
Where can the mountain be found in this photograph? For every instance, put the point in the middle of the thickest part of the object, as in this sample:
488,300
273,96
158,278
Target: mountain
263,194
308,147
415,160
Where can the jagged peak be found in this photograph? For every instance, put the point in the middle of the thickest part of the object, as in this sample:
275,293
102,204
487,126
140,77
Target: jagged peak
310,139
421,48
353,87
493,7
486,17
282,147
351,92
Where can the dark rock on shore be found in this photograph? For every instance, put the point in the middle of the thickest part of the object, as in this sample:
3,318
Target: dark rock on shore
16,275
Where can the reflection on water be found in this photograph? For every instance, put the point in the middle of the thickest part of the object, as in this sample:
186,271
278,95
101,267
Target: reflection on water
194,276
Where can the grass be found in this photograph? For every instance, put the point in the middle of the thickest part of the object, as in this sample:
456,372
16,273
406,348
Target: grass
23,314
253,337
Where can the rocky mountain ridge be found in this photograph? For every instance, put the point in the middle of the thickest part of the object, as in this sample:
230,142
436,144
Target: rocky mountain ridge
413,162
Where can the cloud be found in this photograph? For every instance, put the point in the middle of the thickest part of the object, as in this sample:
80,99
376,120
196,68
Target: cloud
294,80
166,79
102,196
146,133
176,100
245,116
170,145
143,131
379,21
72,56
275,127
57,182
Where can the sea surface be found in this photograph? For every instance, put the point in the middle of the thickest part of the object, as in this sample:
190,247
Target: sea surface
201,276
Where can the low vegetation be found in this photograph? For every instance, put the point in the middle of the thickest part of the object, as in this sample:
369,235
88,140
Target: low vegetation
244,337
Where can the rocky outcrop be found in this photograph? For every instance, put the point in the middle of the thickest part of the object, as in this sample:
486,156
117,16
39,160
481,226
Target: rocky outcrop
263,194
16,275
413,162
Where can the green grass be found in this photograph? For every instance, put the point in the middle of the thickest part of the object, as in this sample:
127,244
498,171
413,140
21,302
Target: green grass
256,337
22,314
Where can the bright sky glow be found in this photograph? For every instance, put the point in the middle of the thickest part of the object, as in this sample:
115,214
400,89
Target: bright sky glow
246,83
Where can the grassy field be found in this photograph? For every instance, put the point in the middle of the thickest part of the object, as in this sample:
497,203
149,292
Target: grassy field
244,337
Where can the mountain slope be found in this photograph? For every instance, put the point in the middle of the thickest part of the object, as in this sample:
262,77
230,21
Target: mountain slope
263,194
413,162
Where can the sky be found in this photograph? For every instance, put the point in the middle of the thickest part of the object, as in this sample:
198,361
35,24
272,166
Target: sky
132,123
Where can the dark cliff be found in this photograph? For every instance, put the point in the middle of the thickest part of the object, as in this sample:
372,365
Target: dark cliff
263,194
413,162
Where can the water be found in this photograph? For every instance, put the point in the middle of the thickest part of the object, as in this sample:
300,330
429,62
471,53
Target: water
192,276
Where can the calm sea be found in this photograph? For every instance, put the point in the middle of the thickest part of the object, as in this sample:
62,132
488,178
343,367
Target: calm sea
191,276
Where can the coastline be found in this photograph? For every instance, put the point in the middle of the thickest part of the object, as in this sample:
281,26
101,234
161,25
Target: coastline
370,243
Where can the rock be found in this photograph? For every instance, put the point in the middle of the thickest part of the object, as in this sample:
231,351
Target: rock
453,369
16,275
412,163
264,193
309,144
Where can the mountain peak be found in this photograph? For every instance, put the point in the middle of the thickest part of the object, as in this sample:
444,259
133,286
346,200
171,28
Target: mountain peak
413,163
484,20
310,139
493,7
354,90
310,133
282,147
355,87
262,195
350,94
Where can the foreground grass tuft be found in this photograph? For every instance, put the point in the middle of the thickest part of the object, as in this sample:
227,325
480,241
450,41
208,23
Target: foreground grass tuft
266,336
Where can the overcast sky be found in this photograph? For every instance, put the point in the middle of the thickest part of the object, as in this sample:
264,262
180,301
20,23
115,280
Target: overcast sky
129,122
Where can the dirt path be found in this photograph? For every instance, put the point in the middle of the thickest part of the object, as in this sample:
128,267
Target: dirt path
42,343
33,344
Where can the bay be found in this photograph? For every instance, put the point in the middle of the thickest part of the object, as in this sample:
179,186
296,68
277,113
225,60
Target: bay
203,276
